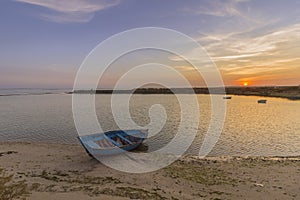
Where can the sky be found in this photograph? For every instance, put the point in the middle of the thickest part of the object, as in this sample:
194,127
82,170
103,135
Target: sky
44,42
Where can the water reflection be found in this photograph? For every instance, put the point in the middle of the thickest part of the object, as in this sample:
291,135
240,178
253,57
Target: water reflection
249,129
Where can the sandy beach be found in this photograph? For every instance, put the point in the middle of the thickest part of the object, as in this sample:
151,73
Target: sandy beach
54,171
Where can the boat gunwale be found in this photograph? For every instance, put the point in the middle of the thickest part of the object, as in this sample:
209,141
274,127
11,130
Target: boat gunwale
94,134
138,131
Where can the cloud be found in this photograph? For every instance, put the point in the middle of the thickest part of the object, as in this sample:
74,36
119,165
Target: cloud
278,56
217,8
261,55
251,70
235,47
64,11
253,67
184,68
232,57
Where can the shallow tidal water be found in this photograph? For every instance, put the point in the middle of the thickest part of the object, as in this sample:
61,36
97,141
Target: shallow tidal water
271,129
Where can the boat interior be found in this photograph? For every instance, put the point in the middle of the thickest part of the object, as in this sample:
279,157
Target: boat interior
113,140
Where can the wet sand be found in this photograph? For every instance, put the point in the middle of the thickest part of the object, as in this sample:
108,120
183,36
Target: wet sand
54,171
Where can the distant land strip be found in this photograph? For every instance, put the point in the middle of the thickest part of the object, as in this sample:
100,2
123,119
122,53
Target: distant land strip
288,92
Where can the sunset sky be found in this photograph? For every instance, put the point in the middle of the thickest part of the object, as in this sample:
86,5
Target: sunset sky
43,42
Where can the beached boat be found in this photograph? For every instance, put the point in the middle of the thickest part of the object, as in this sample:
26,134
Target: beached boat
227,97
262,101
112,142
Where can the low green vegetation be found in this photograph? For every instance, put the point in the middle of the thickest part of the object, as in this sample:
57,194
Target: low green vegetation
58,176
133,193
90,186
10,189
200,174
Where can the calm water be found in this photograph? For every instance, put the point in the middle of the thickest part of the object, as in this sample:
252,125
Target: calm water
249,129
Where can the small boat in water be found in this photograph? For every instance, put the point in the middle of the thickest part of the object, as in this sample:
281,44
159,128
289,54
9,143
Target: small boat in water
227,97
262,101
112,142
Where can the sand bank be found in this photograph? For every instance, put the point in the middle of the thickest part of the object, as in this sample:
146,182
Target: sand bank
54,171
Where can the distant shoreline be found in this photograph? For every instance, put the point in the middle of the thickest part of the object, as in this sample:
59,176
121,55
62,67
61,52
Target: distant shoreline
287,92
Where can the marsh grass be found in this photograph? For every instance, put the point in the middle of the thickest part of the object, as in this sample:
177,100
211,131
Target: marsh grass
58,176
133,193
10,189
200,174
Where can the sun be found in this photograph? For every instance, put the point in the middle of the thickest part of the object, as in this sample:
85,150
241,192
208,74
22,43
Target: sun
245,83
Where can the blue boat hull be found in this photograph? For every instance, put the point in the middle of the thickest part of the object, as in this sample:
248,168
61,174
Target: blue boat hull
112,142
